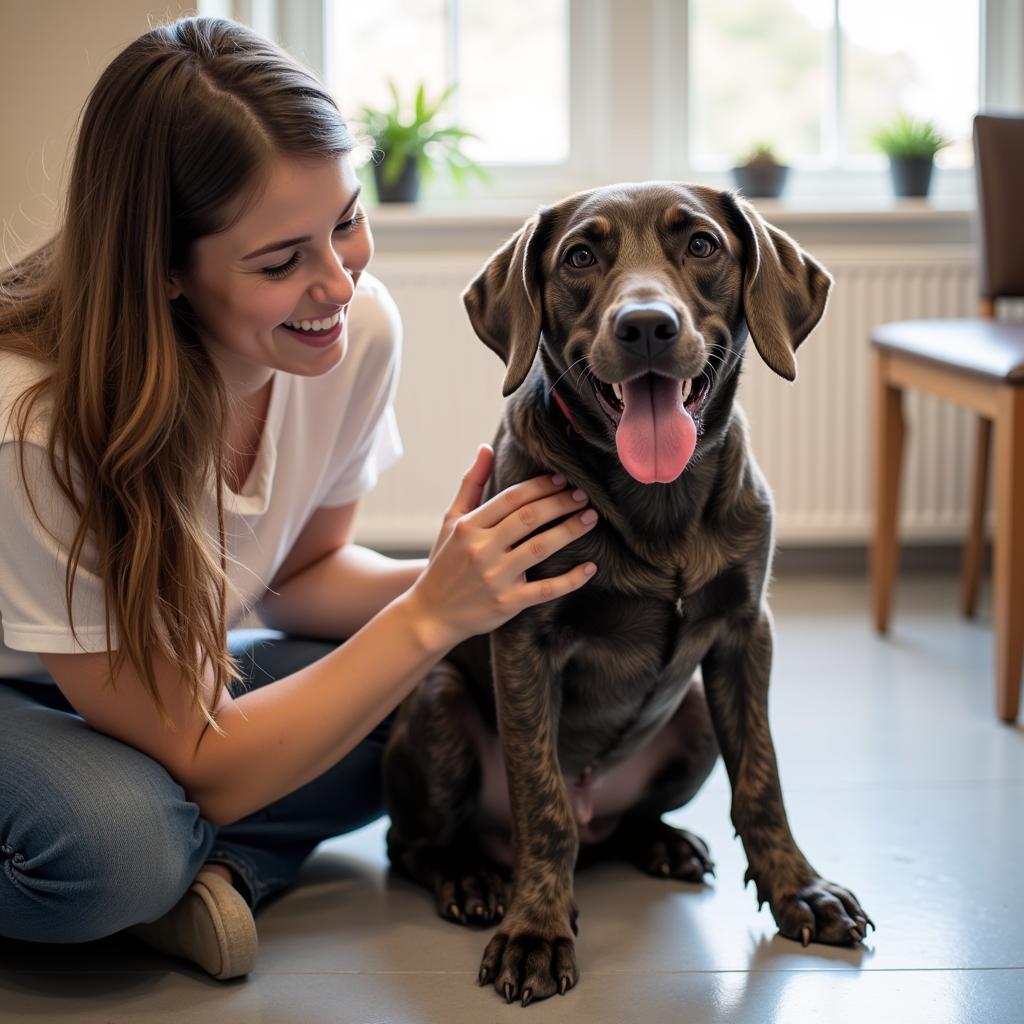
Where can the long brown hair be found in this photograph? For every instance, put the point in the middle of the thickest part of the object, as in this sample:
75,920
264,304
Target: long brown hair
182,122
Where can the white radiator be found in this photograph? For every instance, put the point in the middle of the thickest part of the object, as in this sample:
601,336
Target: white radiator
812,438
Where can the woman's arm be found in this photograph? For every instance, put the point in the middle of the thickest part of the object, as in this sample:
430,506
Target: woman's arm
280,737
329,587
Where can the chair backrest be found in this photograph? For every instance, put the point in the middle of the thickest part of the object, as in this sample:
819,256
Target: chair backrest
999,172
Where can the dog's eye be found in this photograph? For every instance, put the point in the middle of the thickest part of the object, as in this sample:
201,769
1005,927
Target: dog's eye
702,246
579,256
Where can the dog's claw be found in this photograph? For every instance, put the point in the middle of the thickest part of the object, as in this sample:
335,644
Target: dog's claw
856,934
664,869
527,996
482,976
805,936
509,992
563,985
453,909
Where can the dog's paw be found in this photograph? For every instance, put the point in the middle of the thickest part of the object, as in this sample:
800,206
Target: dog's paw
665,852
528,966
676,853
472,897
821,912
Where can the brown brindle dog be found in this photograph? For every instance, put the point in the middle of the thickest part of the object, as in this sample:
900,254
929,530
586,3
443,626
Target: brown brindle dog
640,298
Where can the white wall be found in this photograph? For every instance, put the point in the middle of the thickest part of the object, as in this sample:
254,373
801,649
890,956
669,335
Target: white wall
51,53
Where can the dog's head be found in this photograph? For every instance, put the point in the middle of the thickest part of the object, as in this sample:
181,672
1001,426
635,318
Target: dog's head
641,296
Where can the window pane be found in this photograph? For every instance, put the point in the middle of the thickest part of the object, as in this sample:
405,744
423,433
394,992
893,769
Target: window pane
512,67
514,79
401,40
915,56
758,74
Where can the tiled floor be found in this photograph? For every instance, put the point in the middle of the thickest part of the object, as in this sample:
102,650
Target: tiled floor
900,784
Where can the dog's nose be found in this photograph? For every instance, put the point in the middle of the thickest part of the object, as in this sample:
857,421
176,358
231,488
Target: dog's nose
646,328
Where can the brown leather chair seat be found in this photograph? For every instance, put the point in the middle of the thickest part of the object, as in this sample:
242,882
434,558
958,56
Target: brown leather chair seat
985,347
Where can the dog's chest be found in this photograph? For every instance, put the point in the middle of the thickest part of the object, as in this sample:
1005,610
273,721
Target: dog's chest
638,628
647,630
632,657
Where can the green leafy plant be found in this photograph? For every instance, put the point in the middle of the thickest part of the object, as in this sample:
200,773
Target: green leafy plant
904,137
419,136
760,154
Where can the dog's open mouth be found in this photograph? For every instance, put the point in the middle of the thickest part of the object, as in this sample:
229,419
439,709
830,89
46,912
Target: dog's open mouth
653,415
692,393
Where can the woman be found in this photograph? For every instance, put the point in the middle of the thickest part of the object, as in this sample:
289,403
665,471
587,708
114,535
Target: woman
196,378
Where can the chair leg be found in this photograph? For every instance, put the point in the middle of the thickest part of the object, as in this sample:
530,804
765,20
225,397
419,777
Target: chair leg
1008,552
889,434
974,548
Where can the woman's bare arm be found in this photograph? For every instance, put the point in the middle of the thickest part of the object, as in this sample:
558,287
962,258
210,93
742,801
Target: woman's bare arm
283,735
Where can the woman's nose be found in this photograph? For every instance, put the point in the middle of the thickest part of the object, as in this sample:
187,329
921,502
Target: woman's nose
335,285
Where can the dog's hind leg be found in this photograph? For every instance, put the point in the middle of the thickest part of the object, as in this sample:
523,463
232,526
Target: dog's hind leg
432,778
641,837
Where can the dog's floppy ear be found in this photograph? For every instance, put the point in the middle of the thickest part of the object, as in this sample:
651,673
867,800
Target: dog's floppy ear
784,290
504,301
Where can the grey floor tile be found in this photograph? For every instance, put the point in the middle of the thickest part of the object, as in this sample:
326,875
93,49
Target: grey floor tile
755,997
899,783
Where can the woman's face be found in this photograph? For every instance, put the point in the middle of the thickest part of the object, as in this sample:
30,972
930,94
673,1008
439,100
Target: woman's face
272,291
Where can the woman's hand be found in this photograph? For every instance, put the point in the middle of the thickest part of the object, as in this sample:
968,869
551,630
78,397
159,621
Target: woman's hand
476,576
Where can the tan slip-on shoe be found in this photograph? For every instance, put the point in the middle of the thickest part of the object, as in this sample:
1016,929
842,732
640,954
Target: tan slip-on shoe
211,925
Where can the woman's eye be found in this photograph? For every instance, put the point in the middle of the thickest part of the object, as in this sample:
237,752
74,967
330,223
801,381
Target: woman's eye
282,269
346,227
579,256
702,246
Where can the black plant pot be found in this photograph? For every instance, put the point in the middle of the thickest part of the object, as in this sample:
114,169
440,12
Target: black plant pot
761,181
404,189
911,175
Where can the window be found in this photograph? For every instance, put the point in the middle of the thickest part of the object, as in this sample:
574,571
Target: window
819,76
520,117
567,94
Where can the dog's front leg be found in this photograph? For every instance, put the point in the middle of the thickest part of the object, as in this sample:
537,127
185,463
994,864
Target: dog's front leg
804,904
533,955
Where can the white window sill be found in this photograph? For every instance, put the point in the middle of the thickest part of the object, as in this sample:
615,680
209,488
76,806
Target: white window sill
449,225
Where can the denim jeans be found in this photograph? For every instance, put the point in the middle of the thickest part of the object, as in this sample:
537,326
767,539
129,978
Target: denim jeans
95,836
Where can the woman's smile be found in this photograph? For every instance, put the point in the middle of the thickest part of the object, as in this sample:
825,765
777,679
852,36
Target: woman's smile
317,333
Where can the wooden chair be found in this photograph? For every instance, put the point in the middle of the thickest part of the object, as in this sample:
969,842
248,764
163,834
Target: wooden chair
977,363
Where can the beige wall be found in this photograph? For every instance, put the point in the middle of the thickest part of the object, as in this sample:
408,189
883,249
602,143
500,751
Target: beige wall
51,53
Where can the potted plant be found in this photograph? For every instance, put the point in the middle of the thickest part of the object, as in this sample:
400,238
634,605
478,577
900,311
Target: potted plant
759,173
911,146
413,145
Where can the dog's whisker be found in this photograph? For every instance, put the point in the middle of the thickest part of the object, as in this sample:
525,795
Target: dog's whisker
582,359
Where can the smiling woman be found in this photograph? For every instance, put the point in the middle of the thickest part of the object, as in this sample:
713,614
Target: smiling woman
196,387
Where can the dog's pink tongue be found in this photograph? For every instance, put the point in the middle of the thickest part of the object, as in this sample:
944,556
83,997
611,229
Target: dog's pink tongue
656,435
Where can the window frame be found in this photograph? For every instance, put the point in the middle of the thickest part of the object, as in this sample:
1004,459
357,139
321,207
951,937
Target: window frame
624,125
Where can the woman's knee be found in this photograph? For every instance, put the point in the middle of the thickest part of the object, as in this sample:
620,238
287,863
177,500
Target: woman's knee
94,837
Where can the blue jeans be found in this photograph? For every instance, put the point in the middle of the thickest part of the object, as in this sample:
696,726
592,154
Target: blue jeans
95,836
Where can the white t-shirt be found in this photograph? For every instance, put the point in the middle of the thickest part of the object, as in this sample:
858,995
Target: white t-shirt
324,442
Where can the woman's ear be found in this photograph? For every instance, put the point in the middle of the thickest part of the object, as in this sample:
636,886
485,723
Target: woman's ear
174,287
